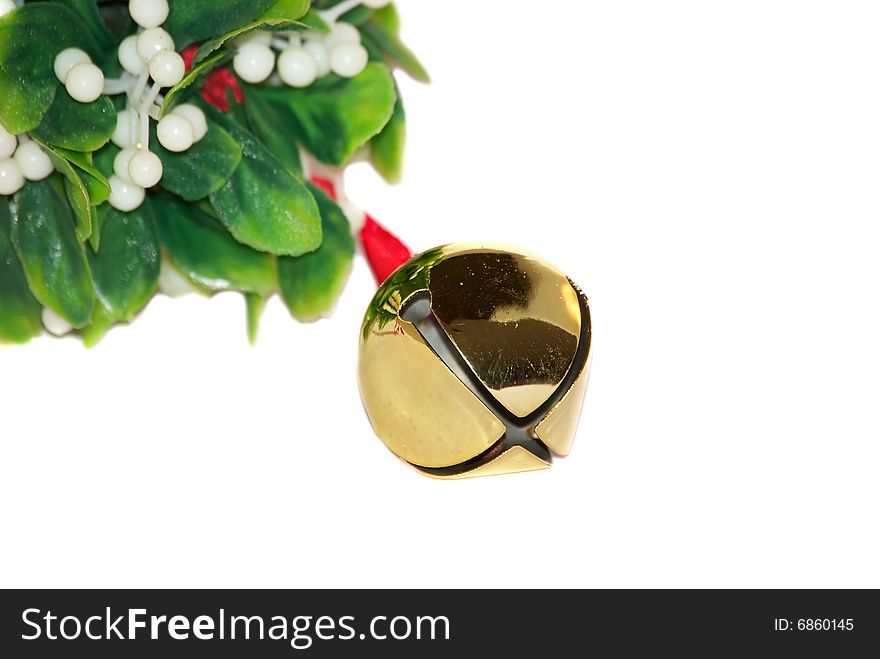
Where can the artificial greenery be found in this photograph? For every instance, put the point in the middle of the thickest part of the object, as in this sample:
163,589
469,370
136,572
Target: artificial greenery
232,212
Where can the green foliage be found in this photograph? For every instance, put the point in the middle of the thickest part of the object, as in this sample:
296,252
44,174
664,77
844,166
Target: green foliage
336,116
30,38
310,284
203,251
193,78
126,269
77,126
387,148
54,260
262,204
211,46
191,21
383,33
87,10
232,213
202,169
20,313
275,126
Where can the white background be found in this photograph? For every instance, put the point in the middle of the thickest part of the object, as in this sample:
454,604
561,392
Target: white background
707,171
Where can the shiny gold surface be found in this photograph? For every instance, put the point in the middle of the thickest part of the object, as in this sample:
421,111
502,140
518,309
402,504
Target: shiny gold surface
422,412
514,319
474,361
558,428
514,460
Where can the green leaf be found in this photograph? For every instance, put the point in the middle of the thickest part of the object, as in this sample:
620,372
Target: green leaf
274,125
311,284
87,10
336,116
205,252
20,313
101,323
79,185
78,198
313,21
54,260
255,306
387,148
23,106
388,18
103,159
77,194
263,24
193,77
30,38
95,181
393,49
354,16
103,166
262,205
288,9
190,21
77,126
126,268
202,169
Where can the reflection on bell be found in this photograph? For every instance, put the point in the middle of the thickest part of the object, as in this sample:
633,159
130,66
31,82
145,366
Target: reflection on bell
474,361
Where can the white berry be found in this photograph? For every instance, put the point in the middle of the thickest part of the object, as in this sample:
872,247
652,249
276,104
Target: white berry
175,133
148,13
67,59
172,282
254,62
342,33
167,68
151,41
120,163
196,118
84,82
55,324
7,143
375,4
122,133
6,6
145,168
348,59
129,57
263,37
297,68
11,178
318,50
33,161
124,195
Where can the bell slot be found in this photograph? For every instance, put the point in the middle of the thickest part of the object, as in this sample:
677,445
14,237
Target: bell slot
417,311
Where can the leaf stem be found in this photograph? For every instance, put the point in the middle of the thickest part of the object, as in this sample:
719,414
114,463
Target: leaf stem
120,85
335,13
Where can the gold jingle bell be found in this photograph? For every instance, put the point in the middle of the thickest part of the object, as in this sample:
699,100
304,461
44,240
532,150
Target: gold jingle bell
474,361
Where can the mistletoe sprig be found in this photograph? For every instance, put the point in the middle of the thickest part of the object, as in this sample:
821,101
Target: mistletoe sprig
164,146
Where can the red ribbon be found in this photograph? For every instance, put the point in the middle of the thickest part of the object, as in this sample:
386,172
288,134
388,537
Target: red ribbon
385,252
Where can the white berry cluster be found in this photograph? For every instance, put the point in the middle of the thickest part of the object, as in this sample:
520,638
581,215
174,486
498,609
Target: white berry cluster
74,69
148,55
304,57
21,159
